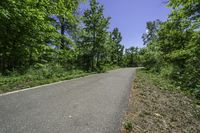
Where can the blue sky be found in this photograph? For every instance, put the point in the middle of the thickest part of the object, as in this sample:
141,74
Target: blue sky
130,16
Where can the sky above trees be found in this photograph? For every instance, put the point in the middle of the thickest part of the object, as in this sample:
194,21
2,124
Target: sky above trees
130,16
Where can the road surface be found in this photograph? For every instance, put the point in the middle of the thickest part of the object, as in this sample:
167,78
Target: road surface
93,104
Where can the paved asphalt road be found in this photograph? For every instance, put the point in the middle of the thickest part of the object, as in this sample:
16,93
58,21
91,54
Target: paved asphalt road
93,104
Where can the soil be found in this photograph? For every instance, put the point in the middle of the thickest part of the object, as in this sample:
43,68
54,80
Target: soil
152,110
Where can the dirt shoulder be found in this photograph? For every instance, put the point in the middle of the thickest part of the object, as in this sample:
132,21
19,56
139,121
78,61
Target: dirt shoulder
154,110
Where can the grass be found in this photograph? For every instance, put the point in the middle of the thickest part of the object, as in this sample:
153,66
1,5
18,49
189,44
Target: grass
35,77
156,105
40,75
166,84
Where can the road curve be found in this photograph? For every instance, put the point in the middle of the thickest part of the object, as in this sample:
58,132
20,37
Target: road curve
93,104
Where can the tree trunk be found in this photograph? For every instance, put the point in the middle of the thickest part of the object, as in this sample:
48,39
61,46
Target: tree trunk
98,63
30,58
62,33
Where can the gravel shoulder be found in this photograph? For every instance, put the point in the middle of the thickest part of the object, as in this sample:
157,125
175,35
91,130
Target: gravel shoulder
155,110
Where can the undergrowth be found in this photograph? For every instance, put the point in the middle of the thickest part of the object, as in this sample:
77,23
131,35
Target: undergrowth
43,74
38,75
167,84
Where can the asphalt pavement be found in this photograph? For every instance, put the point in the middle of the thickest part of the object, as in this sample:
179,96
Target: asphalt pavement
92,104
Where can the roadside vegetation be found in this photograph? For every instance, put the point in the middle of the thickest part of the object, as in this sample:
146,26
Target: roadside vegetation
173,47
155,105
46,41
40,75
50,40
166,93
34,77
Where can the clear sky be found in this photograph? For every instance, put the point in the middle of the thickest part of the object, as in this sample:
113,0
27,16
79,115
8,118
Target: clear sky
130,16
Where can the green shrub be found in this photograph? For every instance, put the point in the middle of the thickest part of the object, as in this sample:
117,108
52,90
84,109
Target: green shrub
167,71
38,66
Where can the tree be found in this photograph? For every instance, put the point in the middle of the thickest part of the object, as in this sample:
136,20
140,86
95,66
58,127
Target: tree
94,39
131,57
187,10
116,36
172,49
29,31
151,33
66,20
25,28
117,49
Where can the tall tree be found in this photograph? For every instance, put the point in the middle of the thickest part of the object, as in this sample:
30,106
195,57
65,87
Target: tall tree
116,36
95,26
117,49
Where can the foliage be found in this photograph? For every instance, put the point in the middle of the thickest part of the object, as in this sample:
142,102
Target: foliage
55,32
22,38
131,57
173,52
42,41
94,39
38,75
150,34
116,48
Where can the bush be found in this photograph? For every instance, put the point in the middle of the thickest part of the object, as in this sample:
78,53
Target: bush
167,71
42,75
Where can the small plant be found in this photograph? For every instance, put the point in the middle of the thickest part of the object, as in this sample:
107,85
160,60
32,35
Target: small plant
128,126
196,113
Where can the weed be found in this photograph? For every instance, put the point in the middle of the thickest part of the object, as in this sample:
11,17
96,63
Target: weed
38,76
128,126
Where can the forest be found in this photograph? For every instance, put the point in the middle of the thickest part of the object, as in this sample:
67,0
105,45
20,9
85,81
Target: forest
56,40
35,33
